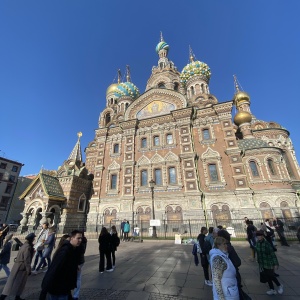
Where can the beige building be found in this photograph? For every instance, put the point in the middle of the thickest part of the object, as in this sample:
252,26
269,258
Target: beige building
206,162
9,173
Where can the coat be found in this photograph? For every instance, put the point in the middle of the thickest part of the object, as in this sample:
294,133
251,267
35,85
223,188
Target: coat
105,242
61,276
21,269
126,227
5,253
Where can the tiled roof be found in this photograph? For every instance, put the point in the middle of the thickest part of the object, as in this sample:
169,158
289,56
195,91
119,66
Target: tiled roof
52,186
252,144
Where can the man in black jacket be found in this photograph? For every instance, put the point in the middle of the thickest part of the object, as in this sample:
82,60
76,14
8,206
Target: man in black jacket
278,224
61,276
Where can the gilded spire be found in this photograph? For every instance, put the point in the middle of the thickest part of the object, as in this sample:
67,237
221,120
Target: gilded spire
236,84
128,78
192,56
119,76
76,152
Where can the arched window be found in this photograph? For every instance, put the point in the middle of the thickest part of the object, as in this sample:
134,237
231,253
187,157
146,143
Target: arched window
144,143
172,175
192,90
161,85
213,173
81,203
169,139
176,86
144,178
107,118
116,148
202,88
156,140
157,177
253,168
271,166
126,105
206,134
111,100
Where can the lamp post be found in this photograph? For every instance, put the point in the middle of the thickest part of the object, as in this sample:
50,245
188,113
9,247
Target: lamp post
152,184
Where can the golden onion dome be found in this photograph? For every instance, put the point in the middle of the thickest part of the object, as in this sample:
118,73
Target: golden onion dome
242,117
241,97
111,88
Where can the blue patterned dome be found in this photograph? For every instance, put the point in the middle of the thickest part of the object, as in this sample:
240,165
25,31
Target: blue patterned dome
127,89
195,68
161,45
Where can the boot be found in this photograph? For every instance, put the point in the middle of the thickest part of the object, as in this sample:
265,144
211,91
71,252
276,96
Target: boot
2,297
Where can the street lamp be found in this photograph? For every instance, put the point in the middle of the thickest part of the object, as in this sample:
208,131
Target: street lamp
152,184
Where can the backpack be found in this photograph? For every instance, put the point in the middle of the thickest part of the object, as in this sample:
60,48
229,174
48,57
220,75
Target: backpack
206,247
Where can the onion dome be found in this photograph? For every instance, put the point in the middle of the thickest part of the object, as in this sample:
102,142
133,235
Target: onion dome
195,68
127,89
111,88
162,46
241,97
242,117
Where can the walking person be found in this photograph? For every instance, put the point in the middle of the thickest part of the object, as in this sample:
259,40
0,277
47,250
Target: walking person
267,261
20,271
81,251
61,276
115,242
39,245
105,250
49,245
5,254
3,232
251,237
225,284
126,231
278,224
203,257
122,229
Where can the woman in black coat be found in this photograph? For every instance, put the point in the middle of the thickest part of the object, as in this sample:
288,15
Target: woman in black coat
5,254
115,242
105,250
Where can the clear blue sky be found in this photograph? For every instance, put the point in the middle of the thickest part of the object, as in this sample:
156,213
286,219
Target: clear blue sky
57,59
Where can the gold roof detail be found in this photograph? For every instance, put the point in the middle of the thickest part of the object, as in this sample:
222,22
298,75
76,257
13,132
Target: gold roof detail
242,117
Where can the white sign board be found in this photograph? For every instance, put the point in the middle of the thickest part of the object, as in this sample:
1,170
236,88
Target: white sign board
154,222
177,239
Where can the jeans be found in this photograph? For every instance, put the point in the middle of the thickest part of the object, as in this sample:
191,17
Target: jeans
43,262
57,297
271,278
77,289
5,268
38,254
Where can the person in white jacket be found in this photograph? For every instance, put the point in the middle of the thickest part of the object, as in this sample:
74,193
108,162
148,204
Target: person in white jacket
224,280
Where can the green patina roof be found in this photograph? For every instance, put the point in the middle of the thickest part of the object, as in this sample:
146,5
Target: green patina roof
52,186
252,144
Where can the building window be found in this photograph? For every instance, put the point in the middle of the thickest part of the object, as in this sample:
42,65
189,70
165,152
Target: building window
113,182
176,85
271,166
206,134
253,168
116,148
144,178
161,85
192,90
172,175
107,118
4,202
12,178
14,169
143,143
8,189
157,177
3,166
213,173
81,203
169,139
156,140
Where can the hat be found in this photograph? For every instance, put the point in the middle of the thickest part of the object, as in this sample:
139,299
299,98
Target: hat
225,234
30,236
260,233
9,237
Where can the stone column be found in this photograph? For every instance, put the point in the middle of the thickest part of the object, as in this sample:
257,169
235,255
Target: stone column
24,223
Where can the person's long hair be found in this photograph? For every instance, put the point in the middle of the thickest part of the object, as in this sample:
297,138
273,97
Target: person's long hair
103,231
114,230
61,242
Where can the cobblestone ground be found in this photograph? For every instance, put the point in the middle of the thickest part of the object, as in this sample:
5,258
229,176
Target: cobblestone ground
92,294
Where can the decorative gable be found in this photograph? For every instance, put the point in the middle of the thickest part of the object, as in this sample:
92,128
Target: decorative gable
114,166
171,157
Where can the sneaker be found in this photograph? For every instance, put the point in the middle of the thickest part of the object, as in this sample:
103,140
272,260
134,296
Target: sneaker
101,272
271,292
113,267
280,289
110,270
208,282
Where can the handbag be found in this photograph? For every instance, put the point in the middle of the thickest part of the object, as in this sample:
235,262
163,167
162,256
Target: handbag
263,277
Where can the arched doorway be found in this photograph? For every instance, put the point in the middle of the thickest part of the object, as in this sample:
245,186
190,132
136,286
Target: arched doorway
285,209
266,211
38,218
143,218
221,216
109,217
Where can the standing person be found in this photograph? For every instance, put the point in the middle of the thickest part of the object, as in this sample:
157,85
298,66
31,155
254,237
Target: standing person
48,245
20,271
81,251
115,242
122,229
126,230
267,261
225,285
61,276
3,232
269,233
278,224
5,254
203,257
251,237
105,250
39,245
